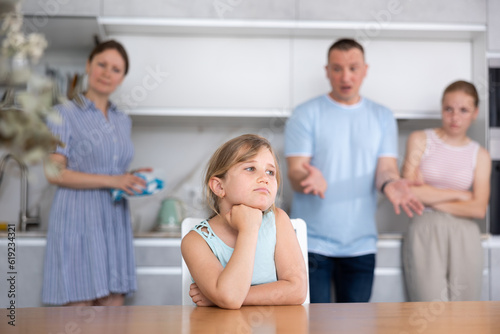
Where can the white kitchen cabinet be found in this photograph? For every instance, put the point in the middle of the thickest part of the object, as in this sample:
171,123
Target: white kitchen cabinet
388,11
389,284
159,273
268,73
264,68
66,24
158,262
29,259
404,80
74,33
218,9
212,73
262,59
494,246
493,26
51,8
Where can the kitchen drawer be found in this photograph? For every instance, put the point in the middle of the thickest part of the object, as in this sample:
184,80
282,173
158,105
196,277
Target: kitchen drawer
156,288
163,252
29,260
388,286
389,254
495,268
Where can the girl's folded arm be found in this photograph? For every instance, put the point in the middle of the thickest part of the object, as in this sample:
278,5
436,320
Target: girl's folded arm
226,287
291,287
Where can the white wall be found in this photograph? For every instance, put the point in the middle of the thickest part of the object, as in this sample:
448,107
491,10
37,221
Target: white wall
182,151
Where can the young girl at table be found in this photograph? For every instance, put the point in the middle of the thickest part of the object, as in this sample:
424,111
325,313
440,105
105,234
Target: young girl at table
443,257
247,253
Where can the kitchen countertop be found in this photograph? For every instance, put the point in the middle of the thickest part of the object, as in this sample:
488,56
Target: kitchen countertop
158,234
177,234
42,234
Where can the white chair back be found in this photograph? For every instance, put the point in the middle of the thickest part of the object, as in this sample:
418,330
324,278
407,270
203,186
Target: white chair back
299,226
186,226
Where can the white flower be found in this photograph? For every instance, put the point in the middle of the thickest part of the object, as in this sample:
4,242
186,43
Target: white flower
12,22
24,132
36,45
16,43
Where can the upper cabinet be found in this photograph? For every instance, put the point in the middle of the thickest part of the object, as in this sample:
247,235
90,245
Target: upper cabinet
51,8
363,19
494,26
206,9
382,11
389,11
206,76
262,58
268,77
64,32
66,24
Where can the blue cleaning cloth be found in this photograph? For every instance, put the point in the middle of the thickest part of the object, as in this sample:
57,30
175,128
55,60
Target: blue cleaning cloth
153,185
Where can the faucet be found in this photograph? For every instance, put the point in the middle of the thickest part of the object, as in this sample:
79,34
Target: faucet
24,219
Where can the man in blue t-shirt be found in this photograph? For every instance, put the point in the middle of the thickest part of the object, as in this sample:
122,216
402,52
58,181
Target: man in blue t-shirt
340,149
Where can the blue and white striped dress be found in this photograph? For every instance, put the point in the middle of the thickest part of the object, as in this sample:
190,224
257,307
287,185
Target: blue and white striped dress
89,250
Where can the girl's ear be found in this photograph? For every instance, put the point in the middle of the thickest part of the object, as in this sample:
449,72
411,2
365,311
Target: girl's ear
216,186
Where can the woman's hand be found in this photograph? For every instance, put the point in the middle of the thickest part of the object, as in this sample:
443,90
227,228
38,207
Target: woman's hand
198,297
129,183
242,217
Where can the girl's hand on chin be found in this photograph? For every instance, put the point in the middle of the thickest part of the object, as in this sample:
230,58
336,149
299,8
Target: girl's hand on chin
242,217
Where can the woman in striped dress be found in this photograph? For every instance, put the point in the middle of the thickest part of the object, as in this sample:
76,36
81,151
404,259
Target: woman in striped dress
442,253
89,257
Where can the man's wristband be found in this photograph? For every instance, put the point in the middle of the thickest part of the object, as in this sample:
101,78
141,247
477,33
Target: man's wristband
382,189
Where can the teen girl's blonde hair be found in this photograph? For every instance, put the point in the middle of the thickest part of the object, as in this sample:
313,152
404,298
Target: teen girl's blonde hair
236,150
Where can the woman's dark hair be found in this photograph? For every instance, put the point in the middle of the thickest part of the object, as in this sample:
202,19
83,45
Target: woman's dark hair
110,45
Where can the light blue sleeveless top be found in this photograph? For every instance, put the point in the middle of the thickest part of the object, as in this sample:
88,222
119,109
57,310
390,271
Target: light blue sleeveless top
264,269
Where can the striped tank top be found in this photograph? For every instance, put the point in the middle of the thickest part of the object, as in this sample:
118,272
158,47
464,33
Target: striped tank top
448,167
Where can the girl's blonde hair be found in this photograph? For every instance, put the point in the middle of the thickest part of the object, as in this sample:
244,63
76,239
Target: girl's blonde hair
236,150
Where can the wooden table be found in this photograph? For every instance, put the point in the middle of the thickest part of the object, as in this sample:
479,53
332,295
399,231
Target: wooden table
386,318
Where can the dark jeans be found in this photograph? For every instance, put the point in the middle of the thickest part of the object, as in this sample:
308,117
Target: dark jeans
352,278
